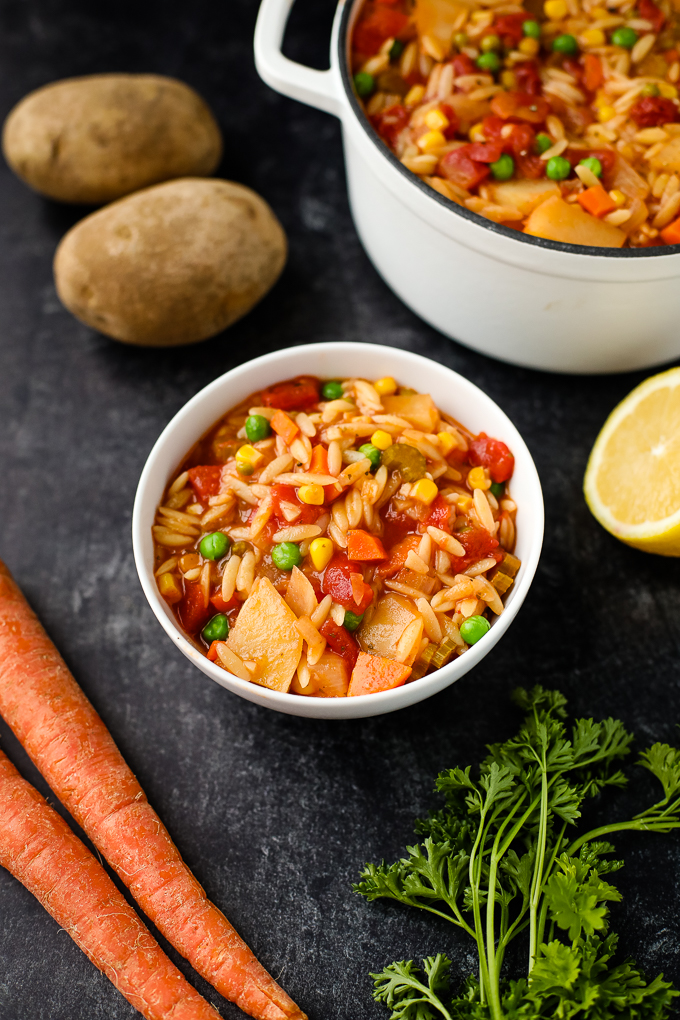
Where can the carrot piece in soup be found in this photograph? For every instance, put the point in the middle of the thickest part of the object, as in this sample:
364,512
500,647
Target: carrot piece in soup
285,427
398,554
205,481
592,72
212,651
520,106
298,394
671,233
363,546
341,641
596,201
372,673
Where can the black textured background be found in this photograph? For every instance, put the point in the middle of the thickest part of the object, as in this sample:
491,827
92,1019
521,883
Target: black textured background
276,814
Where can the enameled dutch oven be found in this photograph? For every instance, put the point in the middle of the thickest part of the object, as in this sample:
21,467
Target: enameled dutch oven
538,303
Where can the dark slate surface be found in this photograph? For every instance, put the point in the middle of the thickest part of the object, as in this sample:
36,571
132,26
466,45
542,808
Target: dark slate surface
276,814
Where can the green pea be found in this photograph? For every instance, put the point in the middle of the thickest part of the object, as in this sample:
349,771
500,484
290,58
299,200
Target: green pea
498,488
474,628
257,427
624,36
503,168
532,29
649,90
460,39
364,83
373,454
396,49
543,143
593,164
286,555
216,629
331,391
557,168
352,621
215,545
490,43
565,44
244,467
490,62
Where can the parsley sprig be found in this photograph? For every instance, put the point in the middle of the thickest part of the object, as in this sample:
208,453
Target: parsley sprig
498,859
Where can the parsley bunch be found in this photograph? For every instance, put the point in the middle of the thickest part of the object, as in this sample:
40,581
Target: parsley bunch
500,859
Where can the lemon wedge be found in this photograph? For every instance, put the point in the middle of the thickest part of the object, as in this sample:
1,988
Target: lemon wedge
632,482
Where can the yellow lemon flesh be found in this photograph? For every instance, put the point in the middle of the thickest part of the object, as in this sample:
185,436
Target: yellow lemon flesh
632,482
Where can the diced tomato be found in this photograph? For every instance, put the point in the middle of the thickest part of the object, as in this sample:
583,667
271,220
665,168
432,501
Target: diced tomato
296,394
212,651
528,78
287,494
193,613
452,117
520,143
438,517
650,12
607,157
653,111
341,641
484,152
377,24
220,606
492,454
478,544
398,554
592,72
518,106
337,582
460,169
391,121
509,28
205,481
670,56
462,64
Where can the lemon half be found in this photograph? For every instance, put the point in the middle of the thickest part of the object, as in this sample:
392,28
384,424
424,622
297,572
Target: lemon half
632,482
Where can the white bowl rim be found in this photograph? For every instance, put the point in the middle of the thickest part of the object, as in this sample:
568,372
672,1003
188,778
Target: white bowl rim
581,250
361,705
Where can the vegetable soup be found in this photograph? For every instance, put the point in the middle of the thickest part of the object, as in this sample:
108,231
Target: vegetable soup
557,119
337,538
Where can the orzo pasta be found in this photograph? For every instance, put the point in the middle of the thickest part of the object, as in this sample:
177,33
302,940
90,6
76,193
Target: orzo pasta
562,124
337,538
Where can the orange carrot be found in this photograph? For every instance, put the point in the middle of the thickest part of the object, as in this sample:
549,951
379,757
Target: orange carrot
284,426
39,849
671,233
70,745
592,72
372,673
398,554
596,201
361,545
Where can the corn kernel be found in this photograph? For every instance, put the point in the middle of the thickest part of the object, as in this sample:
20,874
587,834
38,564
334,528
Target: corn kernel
169,588
509,80
593,37
667,91
446,442
424,490
529,47
436,120
605,113
555,10
431,140
312,494
597,13
321,551
464,503
381,439
477,478
386,386
618,197
414,95
476,133
248,456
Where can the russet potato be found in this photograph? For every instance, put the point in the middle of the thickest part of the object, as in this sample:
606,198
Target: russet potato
172,264
96,138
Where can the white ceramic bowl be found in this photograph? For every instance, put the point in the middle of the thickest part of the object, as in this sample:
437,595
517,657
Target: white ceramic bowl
543,304
450,391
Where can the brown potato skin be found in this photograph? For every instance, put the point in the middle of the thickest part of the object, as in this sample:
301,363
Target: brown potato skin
96,138
172,264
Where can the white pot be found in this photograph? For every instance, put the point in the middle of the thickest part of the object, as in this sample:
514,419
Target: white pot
451,392
542,304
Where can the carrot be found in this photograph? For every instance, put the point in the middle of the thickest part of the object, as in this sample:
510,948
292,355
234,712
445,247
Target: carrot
284,426
596,201
592,72
319,466
363,546
671,233
373,673
39,849
398,554
69,743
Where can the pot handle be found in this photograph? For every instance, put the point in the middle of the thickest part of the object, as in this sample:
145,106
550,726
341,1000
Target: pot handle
316,88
